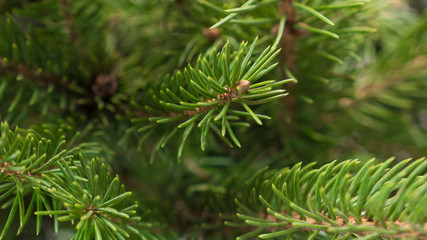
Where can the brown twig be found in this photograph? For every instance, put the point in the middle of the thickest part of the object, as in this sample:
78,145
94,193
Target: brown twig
5,169
104,86
288,44
65,6
230,95
412,232
31,74
290,34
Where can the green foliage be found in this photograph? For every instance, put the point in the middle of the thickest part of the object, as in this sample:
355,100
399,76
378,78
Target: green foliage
207,94
336,202
95,90
394,97
61,182
90,195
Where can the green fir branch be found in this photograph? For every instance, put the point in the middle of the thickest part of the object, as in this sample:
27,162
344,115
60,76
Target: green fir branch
208,93
40,164
375,200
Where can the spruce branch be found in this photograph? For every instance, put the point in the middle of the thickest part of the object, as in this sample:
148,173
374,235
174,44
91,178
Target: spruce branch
39,80
94,201
301,20
335,30
41,53
208,93
376,200
46,169
24,158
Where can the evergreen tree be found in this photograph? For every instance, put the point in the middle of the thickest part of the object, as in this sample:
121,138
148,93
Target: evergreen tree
197,119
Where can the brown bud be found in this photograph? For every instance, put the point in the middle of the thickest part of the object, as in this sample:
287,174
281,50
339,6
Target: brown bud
243,85
105,85
212,34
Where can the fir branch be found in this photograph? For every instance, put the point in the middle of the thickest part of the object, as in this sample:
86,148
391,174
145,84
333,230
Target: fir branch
33,165
218,80
23,161
242,87
330,200
301,20
96,200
